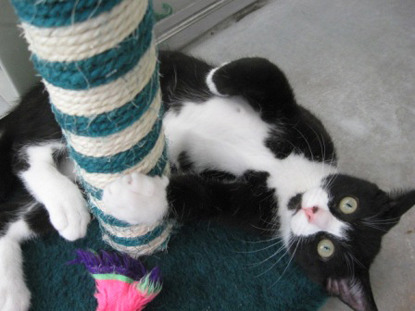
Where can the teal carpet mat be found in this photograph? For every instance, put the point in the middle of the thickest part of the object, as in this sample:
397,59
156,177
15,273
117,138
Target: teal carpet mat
206,267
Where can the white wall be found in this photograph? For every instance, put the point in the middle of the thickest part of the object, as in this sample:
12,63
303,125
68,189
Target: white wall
16,71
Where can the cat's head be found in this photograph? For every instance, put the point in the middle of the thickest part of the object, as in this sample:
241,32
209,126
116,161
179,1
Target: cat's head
336,232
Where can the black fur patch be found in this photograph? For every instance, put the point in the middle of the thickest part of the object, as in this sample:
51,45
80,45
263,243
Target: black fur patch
261,82
9,213
38,220
218,175
182,77
185,164
295,202
245,200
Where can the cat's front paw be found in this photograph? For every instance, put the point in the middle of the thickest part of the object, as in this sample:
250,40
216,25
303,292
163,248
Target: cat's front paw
14,295
137,198
68,212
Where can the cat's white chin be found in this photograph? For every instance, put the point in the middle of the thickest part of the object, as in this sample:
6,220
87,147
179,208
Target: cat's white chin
301,225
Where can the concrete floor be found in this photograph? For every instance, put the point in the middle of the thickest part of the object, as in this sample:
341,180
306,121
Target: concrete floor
353,64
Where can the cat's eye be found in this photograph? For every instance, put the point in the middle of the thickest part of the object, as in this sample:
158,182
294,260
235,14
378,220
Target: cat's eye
325,248
348,205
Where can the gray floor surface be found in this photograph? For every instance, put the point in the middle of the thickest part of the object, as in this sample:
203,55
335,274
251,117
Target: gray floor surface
353,64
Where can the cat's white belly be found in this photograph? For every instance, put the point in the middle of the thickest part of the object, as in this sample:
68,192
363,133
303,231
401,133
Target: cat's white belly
225,133
222,133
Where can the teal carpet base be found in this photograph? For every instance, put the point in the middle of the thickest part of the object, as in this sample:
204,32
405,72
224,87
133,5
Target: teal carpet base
206,267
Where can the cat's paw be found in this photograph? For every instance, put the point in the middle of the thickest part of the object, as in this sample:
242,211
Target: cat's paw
137,198
246,76
14,295
68,212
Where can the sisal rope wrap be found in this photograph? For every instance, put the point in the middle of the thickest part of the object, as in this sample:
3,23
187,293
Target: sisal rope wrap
98,61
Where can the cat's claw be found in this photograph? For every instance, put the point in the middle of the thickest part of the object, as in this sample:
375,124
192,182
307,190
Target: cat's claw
69,213
137,198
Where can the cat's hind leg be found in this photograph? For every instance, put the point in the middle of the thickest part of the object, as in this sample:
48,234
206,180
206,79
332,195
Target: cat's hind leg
61,197
17,223
258,80
141,199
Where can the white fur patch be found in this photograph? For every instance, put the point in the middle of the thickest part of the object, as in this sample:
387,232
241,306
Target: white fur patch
61,197
137,198
222,133
301,226
291,176
14,295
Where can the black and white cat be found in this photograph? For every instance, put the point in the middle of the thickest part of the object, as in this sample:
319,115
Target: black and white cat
239,146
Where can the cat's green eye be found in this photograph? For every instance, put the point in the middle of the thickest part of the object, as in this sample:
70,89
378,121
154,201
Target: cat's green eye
325,248
348,205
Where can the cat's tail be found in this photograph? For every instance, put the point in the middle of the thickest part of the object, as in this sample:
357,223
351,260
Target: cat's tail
7,178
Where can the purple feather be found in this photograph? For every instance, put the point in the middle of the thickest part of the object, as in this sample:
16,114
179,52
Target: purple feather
105,262
155,275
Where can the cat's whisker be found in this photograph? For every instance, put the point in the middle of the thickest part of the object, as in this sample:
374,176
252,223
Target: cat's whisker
262,228
282,248
382,221
259,250
259,241
349,262
268,222
273,265
272,239
289,262
373,226
332,177
270,227
306,141
290,243
308,178
388,222
378,224
320,142
357,261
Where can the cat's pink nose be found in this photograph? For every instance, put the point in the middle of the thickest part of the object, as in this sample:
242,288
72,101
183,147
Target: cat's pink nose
311,212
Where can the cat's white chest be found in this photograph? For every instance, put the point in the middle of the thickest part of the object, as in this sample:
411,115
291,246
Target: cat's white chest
222,133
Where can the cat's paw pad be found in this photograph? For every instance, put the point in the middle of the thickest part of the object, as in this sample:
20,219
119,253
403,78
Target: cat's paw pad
68,213
137,198
14,295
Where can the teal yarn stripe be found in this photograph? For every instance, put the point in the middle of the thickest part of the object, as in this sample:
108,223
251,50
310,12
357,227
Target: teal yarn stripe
93,191
108,219
121,161
114,121
52,13
101,68
157,170
137,241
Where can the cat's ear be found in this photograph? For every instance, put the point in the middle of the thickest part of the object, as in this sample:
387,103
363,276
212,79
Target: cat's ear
400,203
356,292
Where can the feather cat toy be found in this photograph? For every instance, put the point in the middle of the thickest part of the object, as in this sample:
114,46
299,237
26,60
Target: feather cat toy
122,283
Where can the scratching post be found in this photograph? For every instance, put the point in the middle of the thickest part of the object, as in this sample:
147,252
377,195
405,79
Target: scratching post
98,61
